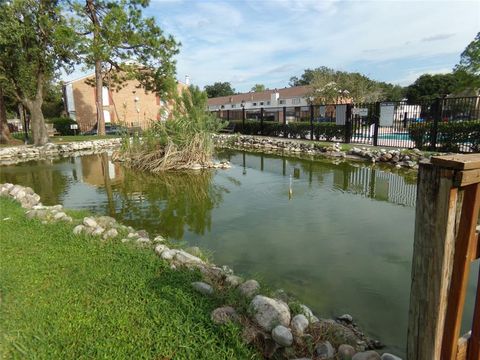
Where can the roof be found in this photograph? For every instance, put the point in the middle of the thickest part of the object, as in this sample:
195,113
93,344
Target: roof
93,74
285,93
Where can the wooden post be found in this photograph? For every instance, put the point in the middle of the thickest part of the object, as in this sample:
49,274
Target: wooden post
448,202
432,261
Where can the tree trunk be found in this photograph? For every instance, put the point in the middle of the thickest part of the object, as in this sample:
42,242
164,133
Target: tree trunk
37,122
99,97
92,13
5,131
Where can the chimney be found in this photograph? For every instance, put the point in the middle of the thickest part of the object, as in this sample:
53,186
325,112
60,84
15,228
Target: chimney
187,80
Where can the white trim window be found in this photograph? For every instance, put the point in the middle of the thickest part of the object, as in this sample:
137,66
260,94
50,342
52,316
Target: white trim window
296,101
282,102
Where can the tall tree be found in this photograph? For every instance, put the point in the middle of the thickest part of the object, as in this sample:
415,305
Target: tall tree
258,88
429,87
121,44
467,71
219,89
36,41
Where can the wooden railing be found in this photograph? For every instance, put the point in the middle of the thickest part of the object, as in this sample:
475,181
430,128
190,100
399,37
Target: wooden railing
446,243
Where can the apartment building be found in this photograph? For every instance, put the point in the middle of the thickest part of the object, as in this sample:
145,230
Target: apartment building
131,105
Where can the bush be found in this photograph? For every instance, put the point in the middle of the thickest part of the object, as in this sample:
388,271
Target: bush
298,129
329,131
450,135
62,125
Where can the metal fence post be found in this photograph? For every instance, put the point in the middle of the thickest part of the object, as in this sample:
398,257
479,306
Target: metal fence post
285,132
376,119
311,122
348,123
228,115
437,113
261,121
243,119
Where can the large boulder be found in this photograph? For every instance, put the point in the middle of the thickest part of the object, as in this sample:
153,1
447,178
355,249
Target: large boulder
224,314
325,350
269,313
299,324
249,288
367,355
282,335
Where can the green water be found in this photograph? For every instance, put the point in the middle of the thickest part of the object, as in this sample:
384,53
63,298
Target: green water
342,243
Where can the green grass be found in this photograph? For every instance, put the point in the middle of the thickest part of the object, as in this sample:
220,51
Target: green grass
74,297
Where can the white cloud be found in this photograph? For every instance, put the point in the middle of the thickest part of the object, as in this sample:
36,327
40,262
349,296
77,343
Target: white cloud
254,41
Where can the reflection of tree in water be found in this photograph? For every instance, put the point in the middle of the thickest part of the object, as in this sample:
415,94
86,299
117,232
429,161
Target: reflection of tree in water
168,202
42,176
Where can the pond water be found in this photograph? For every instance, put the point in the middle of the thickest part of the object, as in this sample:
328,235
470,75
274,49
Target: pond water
342,243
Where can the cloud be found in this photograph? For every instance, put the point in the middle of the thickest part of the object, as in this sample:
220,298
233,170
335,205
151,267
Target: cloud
413,74
437,37
253,41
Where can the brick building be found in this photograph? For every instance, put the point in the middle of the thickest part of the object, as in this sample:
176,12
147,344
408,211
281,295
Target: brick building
131,106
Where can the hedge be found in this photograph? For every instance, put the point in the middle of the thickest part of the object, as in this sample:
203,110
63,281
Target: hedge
450,135
62,125
301,129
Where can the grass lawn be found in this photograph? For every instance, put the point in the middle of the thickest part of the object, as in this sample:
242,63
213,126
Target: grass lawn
64,296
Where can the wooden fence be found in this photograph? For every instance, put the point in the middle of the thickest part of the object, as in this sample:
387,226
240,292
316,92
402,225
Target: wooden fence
446,242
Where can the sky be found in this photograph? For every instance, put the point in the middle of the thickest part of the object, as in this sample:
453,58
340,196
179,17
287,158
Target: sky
246,42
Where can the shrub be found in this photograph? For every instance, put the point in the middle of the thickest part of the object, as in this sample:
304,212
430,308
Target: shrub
179,143
450,135
329,131
62,125
298,129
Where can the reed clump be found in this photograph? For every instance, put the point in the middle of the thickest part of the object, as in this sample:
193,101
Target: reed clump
182,142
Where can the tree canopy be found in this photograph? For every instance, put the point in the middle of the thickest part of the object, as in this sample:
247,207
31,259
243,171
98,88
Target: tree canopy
467,71
429,87
36,41
329,85
219,89
258,88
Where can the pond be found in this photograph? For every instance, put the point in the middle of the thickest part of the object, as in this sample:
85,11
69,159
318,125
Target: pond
342,242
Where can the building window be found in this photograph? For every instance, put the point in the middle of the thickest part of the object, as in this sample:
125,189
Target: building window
296,101
281,102
268,102
254,104
234,106
261,103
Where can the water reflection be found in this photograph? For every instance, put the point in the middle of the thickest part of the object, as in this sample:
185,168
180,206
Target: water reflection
171,201
47,179
368,181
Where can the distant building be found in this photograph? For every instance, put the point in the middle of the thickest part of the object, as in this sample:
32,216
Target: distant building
295,99
130,106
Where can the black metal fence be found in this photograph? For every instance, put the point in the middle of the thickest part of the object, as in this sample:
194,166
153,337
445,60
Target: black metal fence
448,124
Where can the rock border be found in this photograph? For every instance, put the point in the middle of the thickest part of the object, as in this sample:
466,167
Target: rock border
18,154
399,158
278,325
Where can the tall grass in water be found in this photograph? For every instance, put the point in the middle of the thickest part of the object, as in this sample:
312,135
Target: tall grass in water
179,143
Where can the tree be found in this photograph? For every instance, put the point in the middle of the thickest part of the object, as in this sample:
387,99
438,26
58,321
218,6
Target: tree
5,131
258,88
429,87
36,41
120,44
219,89
307,77
467,71
329,85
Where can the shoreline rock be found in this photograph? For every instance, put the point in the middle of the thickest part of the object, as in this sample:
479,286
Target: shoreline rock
396,157
18,154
